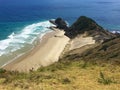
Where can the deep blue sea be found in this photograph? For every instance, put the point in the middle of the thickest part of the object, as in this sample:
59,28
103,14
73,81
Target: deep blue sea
22,21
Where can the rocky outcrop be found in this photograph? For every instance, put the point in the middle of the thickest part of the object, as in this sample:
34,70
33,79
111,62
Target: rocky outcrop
85,25
60,23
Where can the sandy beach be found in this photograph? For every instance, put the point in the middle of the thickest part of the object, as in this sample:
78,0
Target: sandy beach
46,53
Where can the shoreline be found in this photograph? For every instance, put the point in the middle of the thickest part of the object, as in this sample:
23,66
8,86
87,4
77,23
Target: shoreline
48,39
22,41
32,50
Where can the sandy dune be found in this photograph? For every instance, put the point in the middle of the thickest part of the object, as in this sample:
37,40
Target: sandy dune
81,41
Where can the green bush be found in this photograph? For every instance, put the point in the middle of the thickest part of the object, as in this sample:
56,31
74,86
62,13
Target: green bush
84,65
2,70
105,81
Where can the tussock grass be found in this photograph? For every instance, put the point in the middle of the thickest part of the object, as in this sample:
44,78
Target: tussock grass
64,75
104,80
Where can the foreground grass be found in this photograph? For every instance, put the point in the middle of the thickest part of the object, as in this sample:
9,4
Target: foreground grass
64,75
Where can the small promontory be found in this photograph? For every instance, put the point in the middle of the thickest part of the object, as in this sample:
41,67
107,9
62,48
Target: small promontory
85,25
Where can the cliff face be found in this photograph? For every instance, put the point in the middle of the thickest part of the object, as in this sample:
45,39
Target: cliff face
90,27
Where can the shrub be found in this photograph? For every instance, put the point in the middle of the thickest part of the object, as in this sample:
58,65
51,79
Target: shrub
85,65
66,81
2,70
103,80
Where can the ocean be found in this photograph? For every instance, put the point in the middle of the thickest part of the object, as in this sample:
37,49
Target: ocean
24,22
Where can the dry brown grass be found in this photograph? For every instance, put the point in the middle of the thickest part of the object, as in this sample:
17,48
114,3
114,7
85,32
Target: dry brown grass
64,76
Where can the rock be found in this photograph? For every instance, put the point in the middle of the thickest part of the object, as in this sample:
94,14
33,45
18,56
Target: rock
84,25
52,21
89,26
61,24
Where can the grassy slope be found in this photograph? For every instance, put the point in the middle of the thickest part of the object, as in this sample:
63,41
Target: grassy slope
64,75
109,52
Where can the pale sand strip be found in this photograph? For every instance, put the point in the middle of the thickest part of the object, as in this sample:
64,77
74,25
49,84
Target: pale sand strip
49,51
80,42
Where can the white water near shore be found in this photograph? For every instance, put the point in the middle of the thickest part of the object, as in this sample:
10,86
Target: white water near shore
115,31
18,44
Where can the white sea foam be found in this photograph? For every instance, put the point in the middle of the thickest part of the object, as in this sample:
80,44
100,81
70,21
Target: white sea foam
11,36
115,31
27,36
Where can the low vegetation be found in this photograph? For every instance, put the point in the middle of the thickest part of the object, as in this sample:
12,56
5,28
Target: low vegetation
64,75
105,80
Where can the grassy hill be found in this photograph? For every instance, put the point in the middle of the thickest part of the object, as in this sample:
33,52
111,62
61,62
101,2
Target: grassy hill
64,75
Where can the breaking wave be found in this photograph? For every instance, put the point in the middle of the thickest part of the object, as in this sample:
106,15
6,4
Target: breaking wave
23,40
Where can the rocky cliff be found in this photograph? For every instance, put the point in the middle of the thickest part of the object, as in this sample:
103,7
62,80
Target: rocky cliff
90,28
